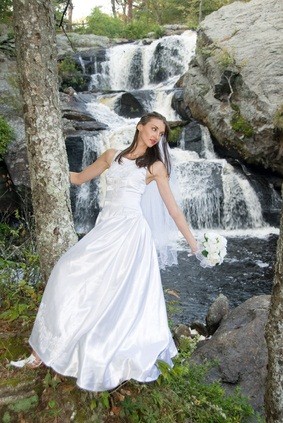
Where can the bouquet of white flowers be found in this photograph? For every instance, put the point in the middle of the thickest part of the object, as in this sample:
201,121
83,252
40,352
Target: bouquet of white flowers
212,249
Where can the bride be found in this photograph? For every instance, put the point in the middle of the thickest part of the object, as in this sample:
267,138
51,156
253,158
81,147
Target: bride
102,318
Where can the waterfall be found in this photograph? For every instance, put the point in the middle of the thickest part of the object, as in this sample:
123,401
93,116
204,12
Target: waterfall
136,65
87,199
214,194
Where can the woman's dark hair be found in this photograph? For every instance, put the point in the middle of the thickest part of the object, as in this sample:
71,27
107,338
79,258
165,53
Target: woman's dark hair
158,152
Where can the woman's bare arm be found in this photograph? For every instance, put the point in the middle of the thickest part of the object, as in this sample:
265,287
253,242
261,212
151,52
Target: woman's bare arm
95,169
159,174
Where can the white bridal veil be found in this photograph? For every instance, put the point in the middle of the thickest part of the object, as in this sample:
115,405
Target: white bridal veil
163,228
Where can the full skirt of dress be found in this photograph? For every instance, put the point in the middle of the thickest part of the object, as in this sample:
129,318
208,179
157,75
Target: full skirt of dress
103,318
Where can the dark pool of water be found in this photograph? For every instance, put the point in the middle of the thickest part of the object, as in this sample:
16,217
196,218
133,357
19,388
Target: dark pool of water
248,270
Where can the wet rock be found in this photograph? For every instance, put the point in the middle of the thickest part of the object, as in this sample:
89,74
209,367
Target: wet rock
180,106
75,151
74,109
216,312
192,138
128,105
180,331
80,42
239,348
200,328
16,157
174,29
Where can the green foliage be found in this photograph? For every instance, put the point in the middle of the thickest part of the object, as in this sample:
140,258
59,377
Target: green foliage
240,124
278,118
100,23
224,59
182,393
6,11
149,16
20,284
70,74
177,11
6,135
175,134
24,404
138,29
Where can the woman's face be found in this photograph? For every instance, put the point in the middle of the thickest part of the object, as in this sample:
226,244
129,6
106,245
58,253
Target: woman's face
151,132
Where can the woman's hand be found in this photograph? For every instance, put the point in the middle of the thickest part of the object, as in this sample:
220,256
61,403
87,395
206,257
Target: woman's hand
95,169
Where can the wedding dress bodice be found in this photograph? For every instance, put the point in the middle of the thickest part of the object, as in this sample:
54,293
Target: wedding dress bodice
125,184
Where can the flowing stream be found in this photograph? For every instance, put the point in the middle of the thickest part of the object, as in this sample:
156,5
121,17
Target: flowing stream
215,195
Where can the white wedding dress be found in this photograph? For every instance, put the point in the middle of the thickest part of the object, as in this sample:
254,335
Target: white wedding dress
102,318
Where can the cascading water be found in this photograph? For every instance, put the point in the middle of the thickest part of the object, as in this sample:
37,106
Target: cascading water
87,204
136,66
214,194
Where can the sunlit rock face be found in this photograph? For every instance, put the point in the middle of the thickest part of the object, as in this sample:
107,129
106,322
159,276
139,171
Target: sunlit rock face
234,83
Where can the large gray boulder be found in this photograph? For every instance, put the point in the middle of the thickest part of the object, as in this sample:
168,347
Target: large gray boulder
239,349
235,81
80,42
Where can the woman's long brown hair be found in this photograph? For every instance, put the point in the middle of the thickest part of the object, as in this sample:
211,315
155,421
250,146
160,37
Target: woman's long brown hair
152,154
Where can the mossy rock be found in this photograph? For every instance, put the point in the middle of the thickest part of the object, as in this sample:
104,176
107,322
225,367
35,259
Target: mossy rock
174,136
278,118
240,124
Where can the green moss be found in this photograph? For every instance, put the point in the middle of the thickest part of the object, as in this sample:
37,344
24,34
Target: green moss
175,134
278,118
24,404
6,135
6,418
207,50
10,349
224,59
240,124
12,97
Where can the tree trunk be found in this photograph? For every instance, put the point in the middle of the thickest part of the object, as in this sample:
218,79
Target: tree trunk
274,339
48,166
130,10
70,16
113,5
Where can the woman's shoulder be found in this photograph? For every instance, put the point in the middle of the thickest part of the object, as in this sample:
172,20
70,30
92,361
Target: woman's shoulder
158,168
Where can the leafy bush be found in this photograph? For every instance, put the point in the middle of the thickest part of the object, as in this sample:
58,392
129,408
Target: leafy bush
138,29
6,135
6,11
70,74
20,281
102,24
99,23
